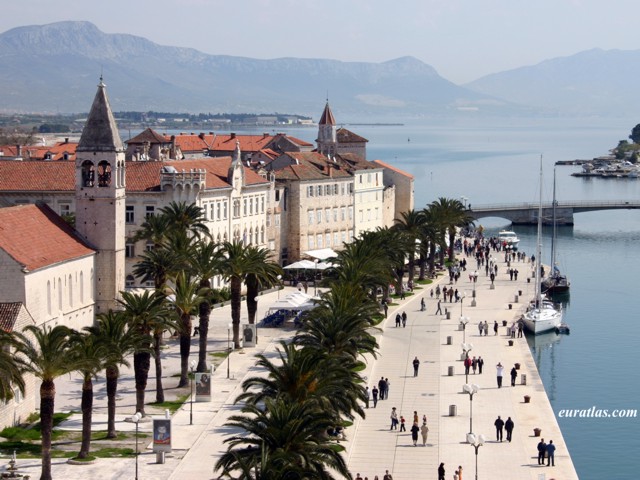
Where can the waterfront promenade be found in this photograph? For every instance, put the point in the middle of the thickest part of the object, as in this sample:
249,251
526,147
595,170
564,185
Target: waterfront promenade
371,447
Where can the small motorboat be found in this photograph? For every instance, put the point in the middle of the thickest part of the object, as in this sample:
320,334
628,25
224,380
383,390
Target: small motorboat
563,328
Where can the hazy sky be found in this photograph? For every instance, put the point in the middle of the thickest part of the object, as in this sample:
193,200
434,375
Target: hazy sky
462,39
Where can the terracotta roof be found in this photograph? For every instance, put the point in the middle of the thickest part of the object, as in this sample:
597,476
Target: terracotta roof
35,237
309,166
8,315
148,135
30,152
327,116
141,176
347,136
356,162
390,167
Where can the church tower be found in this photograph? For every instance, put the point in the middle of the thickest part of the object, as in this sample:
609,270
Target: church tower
327,137
100,199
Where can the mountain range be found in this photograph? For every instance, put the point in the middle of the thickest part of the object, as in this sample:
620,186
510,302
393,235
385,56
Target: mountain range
54,68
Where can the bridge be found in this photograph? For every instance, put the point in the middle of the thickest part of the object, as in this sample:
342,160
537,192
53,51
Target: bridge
527,213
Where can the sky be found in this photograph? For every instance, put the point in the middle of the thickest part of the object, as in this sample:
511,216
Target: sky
462,39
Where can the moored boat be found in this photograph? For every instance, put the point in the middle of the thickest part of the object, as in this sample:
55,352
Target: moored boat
507,237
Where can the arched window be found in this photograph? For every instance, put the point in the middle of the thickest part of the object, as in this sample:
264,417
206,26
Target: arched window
48,297
88,174
262,235
104,174
59,294
82,288
70,287
129,281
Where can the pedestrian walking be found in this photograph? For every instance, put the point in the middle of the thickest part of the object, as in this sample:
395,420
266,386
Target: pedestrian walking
514,375
495,327
499,424
424,431
387,476
474,364
402,427
481,327
438,292
441,472
386,309
508,426
366,399
374,396
394,419
480,365
414,433
499,373
439,309
467,365
423,305
551,454
398,319
404,319
387,384
416,366
381,388
520,328
486,328
542,450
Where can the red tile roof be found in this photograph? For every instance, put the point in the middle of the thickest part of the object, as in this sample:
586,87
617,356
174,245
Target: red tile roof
390,167
37,176
310,166
347,136
30,152
8,315
35,237
227,142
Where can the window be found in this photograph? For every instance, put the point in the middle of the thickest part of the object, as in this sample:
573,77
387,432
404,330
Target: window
350,213
311,217
261,235
361,215
319,240
310,243
277,219
211,211
343,236
130,250
327,215
377,214
327,240
278,195
350,188
224,210
251,206
368,214
335,189
343,213
360,177
129,281
262,204
244,207
319,215
150,210
310,191
319,190
65,209
335,214
368,178
342,189
327,189
129,215
218,210
149,246
236,208
336,238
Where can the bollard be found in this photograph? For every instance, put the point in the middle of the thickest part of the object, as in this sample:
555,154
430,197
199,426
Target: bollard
159,457
453,410
449,340
448,316
523,379
492,287
515,299
450,371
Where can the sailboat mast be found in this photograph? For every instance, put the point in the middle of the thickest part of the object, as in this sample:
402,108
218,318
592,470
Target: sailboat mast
539,245
553,237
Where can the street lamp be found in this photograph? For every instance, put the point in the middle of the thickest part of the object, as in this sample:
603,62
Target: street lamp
470,388
136,419
475,279
256,299
466,348
193,366
315,277
229,326
463,322
462,300
464,201
476,441
279,277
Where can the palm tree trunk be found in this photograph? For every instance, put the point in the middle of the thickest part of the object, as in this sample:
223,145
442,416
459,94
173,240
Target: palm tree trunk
185,349
236,305
157,343
112,374
203,327
47,400
87,408
252,304
452,238
141,366
422,266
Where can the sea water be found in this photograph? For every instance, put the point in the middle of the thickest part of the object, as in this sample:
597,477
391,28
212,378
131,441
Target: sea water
480,161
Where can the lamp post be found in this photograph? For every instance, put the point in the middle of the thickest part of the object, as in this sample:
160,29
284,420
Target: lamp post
279,277
256,299
470,388
229,349
462,296
473,293
466,348
464,321
136,419
193,367
464,201
315,277
476,441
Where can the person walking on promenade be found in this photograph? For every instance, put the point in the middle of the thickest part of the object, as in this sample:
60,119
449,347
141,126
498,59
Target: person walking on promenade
439,309
394,419
402,426
414,433
474,364
515,273
387,384
398,320
542,449
456,475
551,454
499,373
386,309
424,431
438,292
508,426
495,327
381,388
423,305
480,327
486,328
480,365
514,375
374,395
415,417
404,319
520,328
499,423
366,399
416,366
467,365
441,472
387,475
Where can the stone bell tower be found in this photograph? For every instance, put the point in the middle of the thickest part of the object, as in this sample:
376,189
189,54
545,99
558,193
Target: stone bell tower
327,140
100,199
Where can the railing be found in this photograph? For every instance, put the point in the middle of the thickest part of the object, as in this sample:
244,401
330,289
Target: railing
559,204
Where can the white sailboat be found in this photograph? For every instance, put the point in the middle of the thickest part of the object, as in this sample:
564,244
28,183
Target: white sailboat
541,316
556,282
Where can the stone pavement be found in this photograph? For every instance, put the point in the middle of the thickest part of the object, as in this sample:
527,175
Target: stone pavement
371,447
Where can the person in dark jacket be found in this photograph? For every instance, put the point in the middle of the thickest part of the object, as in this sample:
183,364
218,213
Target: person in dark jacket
441,472
508,426
499,423
514,375
542,449
414,433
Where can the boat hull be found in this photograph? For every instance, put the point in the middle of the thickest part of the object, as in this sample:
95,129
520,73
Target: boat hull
543,320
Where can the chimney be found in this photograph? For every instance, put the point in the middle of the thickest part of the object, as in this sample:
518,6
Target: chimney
233,135
201,135
18,150
265,135
66,139
330,170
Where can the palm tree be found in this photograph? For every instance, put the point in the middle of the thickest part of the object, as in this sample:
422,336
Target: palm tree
204,262
145,313
156,265
409,225
154,230
119,341
284,439
234,266
44,352
184,217
264,273
10,374
450,214
89,354
186,297
429,234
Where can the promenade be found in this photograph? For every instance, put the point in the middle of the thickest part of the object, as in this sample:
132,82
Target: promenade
371,447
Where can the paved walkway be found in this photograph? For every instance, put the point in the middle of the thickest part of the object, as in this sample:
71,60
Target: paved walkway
371,447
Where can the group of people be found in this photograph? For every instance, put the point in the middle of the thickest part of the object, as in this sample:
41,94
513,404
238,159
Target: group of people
401,319
387,476
457,475
507,426
415,429
548,449
474,364
380,391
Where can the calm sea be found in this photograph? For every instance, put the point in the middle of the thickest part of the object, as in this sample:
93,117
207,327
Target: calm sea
496,161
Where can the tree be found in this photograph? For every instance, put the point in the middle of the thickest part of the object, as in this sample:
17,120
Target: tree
119,341
44,352
10,374
184,217
409,225
635,134
263,274
145,313
450,214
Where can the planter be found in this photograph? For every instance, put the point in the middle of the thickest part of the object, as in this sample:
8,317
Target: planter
520,293
537,432
504,323
528,280
527,399
511,343
517,365
510,307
